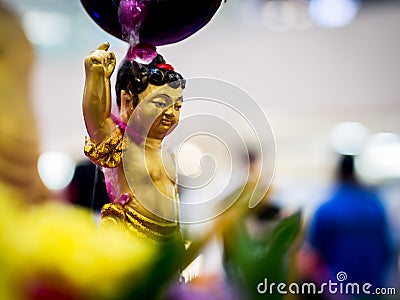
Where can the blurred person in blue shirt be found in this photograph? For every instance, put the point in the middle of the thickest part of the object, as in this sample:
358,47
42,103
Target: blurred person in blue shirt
350,233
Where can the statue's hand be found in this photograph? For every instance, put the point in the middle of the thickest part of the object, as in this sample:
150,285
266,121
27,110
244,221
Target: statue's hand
101,61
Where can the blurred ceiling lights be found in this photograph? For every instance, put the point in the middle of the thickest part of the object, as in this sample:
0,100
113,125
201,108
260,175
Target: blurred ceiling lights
50,23
283,15
47,28
348,138
333,13
56,169
379,161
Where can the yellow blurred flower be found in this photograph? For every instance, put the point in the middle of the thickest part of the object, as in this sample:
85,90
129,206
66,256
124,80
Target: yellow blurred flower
58,245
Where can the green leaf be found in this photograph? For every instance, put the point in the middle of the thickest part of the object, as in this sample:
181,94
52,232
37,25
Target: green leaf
250,261
162,273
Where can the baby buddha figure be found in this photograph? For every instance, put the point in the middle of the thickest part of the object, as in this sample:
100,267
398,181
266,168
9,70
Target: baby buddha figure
139,171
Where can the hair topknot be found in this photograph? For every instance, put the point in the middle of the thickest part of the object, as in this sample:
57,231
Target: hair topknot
135,77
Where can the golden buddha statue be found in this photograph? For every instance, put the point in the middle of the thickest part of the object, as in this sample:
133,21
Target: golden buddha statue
139,171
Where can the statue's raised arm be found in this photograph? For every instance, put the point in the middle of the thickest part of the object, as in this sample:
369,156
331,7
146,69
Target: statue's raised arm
99,66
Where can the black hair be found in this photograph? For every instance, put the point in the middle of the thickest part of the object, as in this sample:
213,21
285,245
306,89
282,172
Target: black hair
346,171
135,77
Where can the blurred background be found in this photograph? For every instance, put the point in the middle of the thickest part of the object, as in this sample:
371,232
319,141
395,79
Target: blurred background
326,73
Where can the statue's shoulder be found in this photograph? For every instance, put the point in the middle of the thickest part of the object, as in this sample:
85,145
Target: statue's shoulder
109,152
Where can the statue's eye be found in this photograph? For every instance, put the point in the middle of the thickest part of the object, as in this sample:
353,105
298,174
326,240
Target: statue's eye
160,104
178,106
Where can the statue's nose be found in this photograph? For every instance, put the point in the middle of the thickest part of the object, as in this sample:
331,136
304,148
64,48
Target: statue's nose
169,112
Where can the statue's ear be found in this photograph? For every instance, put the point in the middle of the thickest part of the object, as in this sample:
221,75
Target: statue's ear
126,99
126,108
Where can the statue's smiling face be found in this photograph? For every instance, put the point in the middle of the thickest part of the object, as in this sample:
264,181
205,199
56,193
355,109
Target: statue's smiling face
158,110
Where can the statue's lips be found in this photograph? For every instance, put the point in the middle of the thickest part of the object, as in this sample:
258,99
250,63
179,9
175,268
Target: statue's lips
166,122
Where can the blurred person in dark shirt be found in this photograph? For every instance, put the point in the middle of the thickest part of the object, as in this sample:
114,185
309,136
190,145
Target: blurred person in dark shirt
87,187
